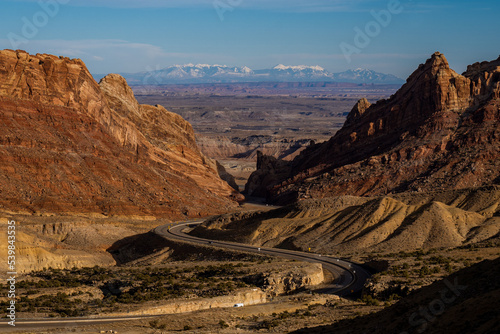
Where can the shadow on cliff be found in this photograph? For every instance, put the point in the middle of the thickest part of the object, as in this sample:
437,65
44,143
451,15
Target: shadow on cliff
151,249
137,246
464,302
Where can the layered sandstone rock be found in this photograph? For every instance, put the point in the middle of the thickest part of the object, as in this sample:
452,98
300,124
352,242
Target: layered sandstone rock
287,282
242,296
440,130
62,243
69,144
219,147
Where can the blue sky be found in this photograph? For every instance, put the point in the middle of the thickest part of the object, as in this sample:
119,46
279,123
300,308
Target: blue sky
133,36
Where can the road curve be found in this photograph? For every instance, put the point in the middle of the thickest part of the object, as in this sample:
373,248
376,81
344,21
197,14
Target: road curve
349,277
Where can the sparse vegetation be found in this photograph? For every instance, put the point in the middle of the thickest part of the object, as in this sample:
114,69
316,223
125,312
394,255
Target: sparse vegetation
269,323
409,271
223,324
45,291
154,323
369,300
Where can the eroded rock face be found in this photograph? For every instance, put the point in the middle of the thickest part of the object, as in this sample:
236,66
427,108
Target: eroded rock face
69,243
71,145
282,282
269,169
227,177
439,131
220,147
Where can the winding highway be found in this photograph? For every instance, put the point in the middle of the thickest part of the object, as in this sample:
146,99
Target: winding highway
349,277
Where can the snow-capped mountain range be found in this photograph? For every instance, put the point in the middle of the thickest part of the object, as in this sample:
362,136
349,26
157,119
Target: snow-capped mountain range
204,73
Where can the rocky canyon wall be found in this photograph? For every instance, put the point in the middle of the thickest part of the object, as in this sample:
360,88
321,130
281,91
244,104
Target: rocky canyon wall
71,145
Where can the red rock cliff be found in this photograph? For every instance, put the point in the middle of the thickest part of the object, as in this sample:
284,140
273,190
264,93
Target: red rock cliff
440,130
68,144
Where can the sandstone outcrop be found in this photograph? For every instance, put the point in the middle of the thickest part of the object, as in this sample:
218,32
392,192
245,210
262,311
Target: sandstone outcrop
268,170
282,282
62,242
439,131
246,297
71,145
219,147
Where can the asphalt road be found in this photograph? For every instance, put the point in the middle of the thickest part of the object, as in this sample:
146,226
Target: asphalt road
64,323
349,277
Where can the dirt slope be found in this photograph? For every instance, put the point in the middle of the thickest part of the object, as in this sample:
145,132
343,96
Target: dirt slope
349,224
465,302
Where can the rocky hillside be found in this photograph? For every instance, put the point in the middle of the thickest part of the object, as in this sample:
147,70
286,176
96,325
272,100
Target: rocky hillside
71,145
219,147
465,302
348,224
64,242
439,131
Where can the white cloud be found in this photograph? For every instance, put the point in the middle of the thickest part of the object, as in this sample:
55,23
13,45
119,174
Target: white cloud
109,55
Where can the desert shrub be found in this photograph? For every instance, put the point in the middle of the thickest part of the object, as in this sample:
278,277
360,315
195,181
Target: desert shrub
223,324
284,315
439,259
268,324
369,300
394,297
308,313
154,323
424,271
